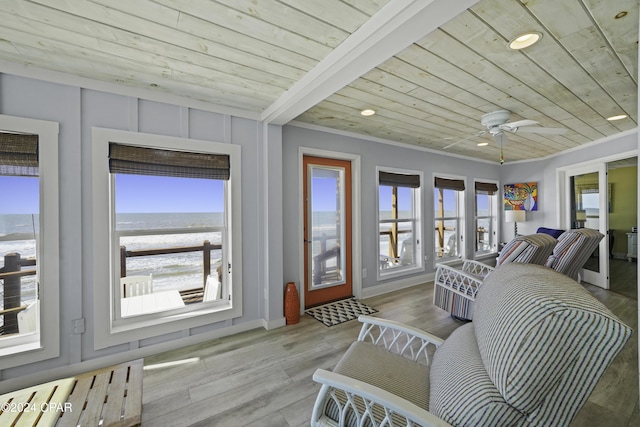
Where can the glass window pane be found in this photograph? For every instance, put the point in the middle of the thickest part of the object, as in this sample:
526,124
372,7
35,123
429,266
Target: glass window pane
446,238
19,229
178,263
485,220
405,203
384,202
483,236
399,228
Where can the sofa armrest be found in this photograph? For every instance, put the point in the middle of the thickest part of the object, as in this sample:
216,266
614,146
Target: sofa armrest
359,398
399,338
476,268
458,281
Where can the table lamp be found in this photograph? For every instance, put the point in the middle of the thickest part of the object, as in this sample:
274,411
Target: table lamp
515,216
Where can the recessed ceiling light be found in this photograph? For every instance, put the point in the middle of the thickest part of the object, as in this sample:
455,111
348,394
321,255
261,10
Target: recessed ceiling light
618,117
368,112
525,40
482,144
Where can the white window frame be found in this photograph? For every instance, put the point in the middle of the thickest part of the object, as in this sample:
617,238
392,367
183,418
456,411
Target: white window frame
417,226
493,220
45,344
459,218
110,328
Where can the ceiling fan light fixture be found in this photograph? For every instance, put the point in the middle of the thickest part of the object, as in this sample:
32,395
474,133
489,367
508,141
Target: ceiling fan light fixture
618,117
368,112
525,40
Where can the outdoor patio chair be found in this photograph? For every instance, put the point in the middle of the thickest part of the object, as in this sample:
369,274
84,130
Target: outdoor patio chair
211,288
136,285
28,318
513,365
455,288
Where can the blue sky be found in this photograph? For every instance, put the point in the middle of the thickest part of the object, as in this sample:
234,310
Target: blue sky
134,193
22,192
147,194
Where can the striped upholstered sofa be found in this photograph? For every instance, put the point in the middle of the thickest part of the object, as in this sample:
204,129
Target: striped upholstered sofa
455,288
535,350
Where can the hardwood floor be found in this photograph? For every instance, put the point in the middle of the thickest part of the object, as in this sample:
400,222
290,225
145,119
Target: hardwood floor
623,277
263,378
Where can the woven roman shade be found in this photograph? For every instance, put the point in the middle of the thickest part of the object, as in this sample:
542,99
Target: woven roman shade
18,154
399,180
157,162
449,184
486,187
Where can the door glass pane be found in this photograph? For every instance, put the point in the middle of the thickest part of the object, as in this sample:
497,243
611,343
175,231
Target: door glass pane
585,209
327,265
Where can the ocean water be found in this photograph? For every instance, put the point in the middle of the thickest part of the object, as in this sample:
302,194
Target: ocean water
173,271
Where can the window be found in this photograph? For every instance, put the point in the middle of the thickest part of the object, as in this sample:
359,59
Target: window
486,208
172,245
399,219
449,219
29,310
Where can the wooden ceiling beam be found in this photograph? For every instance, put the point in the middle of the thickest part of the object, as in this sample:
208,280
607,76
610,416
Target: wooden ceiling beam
392,29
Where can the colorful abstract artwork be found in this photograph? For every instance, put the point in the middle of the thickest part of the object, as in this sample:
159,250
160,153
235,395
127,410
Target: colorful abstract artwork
521,197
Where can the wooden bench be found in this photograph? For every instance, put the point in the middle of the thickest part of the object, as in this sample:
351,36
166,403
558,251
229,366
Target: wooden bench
108,397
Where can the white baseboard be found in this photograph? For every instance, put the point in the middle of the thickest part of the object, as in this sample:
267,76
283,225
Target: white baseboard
18,383
396,285
274,324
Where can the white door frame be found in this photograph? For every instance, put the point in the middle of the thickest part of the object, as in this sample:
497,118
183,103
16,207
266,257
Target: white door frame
356,241
563,175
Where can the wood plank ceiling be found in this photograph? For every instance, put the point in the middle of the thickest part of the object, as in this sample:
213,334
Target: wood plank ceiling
429,74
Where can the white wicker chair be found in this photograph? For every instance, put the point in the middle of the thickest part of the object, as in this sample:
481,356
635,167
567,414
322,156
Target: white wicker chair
455,289
513,365
346,400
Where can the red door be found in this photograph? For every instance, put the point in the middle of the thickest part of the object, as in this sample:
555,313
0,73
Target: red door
327,230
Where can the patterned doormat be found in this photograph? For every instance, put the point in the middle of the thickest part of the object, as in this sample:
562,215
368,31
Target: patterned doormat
339,312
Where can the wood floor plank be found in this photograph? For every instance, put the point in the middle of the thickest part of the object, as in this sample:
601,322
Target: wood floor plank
264,377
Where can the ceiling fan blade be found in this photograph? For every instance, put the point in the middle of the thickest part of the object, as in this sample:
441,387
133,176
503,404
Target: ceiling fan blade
519,123
547,131
464,139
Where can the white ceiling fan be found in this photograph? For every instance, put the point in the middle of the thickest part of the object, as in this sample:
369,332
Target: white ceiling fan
497,124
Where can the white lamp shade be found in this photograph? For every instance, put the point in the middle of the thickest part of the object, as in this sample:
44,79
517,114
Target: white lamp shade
515,216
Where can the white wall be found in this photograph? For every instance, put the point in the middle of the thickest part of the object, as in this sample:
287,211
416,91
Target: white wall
77,110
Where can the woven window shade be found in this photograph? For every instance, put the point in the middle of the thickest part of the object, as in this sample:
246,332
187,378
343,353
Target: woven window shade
449,184
18,154
486,188
399,180
153,161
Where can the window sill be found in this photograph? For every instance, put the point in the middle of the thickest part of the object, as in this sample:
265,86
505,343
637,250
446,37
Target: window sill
391,273
20,344
146,326
485,255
